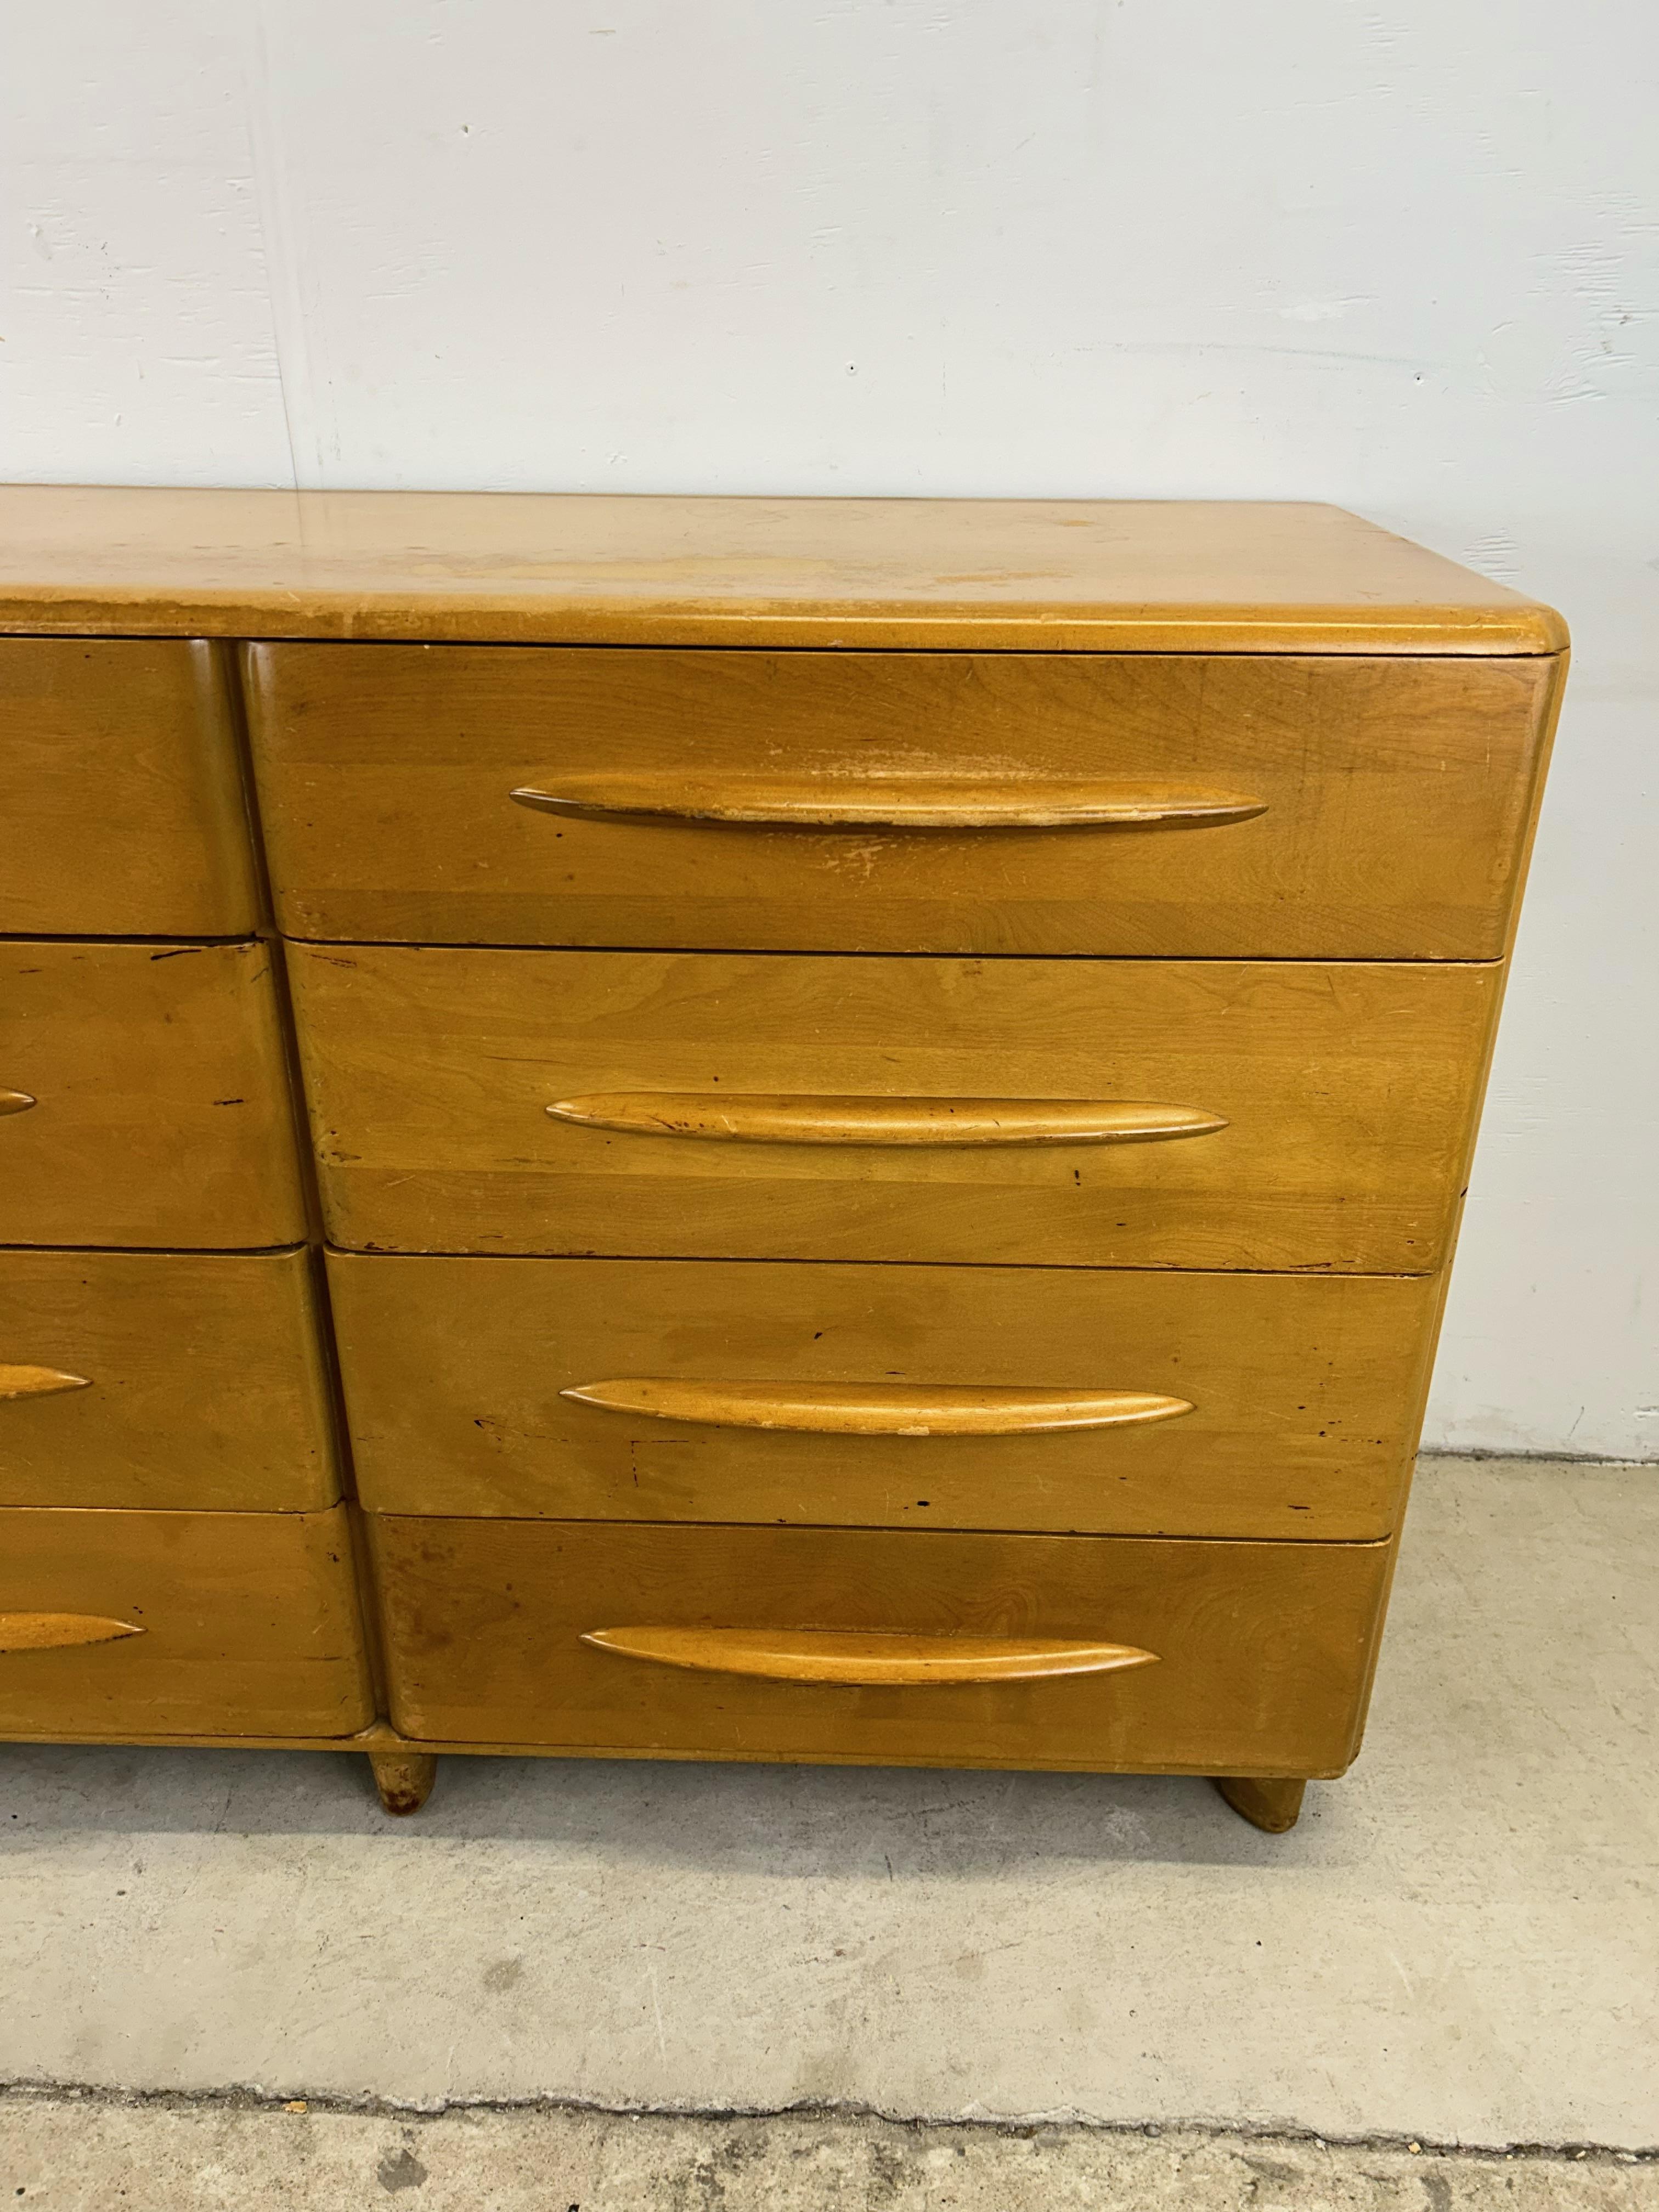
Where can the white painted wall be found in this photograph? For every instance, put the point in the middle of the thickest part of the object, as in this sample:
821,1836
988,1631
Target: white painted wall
1402,255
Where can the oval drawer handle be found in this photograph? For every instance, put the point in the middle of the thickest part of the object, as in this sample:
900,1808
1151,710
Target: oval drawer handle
17,1102
810,1120
860,1657
52,1631
38,1381
913,803
879,1409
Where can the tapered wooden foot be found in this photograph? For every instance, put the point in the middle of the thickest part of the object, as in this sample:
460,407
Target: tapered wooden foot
403,1779
1274,1805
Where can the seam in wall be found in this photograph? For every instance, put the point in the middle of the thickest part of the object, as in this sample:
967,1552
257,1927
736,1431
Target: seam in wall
284,284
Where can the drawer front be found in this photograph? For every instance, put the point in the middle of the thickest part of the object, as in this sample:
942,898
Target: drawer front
1209,805
1229,1658
1348,1095
174,1380
911,1397
122,813
146,1096
179,1624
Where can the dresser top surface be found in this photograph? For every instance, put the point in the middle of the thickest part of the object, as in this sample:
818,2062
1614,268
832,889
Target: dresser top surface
1085,575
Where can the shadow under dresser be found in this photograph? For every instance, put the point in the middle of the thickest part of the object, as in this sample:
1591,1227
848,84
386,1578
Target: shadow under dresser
749,1129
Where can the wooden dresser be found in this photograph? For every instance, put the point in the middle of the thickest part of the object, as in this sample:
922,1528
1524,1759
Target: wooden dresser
757,1129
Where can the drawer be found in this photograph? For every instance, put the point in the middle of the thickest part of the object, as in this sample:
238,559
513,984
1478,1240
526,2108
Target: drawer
851,1644
163,1379
1211,804
777,1106
179,1624
917,1397
144,1097
122,813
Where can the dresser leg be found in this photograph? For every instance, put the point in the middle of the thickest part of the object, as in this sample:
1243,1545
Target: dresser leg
1274,1805
403,1779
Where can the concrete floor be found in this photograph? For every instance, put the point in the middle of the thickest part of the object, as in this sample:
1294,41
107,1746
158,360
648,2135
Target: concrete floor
1458,1945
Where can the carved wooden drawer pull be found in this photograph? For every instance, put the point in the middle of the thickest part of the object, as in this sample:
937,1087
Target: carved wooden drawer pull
809,1120
963,803
879,1409
51,1632
17,1102
37,1381
854,1657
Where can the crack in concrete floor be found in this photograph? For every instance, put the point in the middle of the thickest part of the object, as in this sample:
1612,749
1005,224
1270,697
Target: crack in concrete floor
84,2153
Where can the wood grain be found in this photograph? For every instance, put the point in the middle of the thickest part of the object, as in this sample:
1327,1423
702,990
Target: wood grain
58,1631
122,813
862,1661
1263,1648
1056,575
883,800
1307,1391
380,1740
404,1779
1397,796
23,1381
1273,1806
934,1122
204,1382
1349,1092
250,1624
877,1409
162,1114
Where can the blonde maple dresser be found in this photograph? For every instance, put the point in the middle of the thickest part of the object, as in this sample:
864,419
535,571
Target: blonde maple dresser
760,1129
